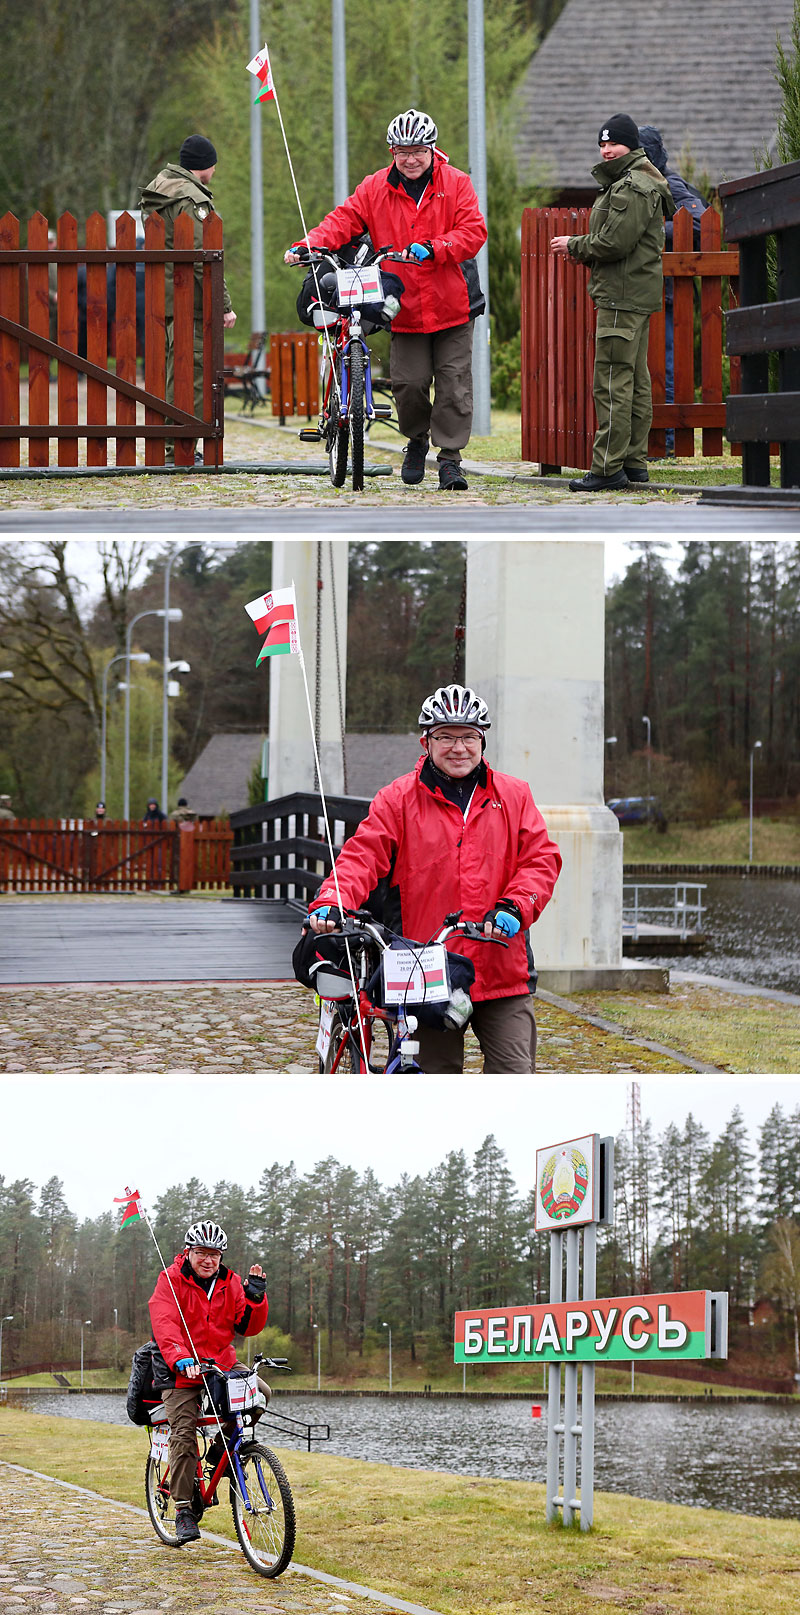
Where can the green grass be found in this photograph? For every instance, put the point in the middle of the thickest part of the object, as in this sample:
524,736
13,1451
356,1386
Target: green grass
727,841
468,1546
730,1030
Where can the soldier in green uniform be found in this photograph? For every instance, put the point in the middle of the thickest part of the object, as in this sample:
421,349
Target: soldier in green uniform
623,249
184,187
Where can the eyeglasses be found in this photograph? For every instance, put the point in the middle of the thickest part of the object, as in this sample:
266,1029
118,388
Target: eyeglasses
449,741
410,151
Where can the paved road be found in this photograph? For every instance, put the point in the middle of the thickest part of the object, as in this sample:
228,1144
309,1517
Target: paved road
79,939
588,520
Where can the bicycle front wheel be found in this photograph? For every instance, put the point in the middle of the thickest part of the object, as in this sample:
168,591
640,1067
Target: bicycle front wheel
343,1054
265,1522
356,412
337,432
160,1506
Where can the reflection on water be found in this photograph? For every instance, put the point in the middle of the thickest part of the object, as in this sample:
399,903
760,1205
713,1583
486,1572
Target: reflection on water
744,1457
753,931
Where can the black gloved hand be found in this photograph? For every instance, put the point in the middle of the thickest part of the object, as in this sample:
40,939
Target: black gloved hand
255,1288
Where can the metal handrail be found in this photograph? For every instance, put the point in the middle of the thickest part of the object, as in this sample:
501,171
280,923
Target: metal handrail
686,913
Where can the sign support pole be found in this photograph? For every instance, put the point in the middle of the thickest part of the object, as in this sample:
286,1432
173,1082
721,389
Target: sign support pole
554,1387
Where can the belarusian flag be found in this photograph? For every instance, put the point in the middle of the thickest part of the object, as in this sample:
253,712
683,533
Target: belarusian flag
261,68
133,1210
275,614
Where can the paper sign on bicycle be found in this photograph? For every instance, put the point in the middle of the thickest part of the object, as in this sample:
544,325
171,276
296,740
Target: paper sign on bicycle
159,1445
359,286
325,1023
417,977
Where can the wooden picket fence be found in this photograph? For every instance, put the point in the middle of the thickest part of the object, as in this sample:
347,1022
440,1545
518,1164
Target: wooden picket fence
73,855
558,325
25,325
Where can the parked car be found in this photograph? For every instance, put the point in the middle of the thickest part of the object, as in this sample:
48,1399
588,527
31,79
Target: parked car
639,810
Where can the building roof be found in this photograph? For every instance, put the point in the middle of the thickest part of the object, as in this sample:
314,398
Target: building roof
374,760
702,71
218,782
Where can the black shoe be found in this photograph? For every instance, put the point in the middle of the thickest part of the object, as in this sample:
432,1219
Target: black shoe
592,484
186,1527
451,476
638,474
413,467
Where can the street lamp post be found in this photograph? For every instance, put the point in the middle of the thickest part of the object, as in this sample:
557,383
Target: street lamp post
756,747
87,1322
7,1319
388,1326
173,615
647,721
136,656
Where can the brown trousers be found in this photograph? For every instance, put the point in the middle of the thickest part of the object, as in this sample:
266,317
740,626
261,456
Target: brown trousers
505,1029
443,358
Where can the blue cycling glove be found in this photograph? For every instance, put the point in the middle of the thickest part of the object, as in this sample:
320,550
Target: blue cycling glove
419,252
503,920
183,1363
328,913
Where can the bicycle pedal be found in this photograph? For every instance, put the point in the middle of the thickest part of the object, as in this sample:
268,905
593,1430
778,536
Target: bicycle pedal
382,412
310,434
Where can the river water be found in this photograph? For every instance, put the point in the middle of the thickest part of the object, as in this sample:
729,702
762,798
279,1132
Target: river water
752,929
742,1457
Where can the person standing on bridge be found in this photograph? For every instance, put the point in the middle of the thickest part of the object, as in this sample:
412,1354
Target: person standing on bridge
623,249
428,210
454,834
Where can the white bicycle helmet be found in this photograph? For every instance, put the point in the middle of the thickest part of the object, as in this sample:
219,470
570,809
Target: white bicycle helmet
454,703
412,128
206,1236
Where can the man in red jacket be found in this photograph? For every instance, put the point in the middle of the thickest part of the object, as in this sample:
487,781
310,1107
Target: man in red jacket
429,210
195,1310
456,835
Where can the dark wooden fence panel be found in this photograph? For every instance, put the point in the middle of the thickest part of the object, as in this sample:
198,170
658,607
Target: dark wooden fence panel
558,323
755,208
279,847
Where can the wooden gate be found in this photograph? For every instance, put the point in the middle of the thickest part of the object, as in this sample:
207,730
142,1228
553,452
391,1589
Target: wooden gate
25,324
73,855
558,324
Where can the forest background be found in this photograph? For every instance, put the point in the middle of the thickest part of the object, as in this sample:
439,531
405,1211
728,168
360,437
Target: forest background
116,103
347,1254
709,650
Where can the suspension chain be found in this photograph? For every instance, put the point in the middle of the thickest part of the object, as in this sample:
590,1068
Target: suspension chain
460,633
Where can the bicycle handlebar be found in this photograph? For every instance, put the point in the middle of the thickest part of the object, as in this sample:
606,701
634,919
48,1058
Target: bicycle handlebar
358,922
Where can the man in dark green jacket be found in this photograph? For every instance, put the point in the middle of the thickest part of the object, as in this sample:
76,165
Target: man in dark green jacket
623,249
184,187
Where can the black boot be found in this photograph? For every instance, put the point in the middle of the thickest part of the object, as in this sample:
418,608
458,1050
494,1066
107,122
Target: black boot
186,1527
594,484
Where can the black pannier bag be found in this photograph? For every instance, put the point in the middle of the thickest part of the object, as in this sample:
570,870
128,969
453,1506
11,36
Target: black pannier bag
142,1393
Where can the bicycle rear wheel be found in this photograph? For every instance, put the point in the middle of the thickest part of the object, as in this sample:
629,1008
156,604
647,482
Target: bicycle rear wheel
337,433
160,1506
266,1529
356,414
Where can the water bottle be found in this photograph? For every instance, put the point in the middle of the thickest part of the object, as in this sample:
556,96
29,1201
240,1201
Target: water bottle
457,1010
391,306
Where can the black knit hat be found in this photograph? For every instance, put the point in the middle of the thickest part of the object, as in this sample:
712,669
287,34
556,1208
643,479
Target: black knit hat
621,130
197,153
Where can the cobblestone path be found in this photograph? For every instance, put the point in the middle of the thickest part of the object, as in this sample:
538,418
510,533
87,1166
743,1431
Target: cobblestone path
189,1027
63,1552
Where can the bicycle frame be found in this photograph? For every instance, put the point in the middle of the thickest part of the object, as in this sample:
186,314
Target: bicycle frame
347,331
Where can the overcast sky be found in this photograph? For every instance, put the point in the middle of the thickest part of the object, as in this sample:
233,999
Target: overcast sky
100,1134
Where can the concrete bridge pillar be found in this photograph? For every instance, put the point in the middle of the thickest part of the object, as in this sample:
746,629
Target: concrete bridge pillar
535,651
291,757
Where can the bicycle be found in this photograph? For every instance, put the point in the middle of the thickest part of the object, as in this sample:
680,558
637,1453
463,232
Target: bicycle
348,403
260,1495
353,1028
